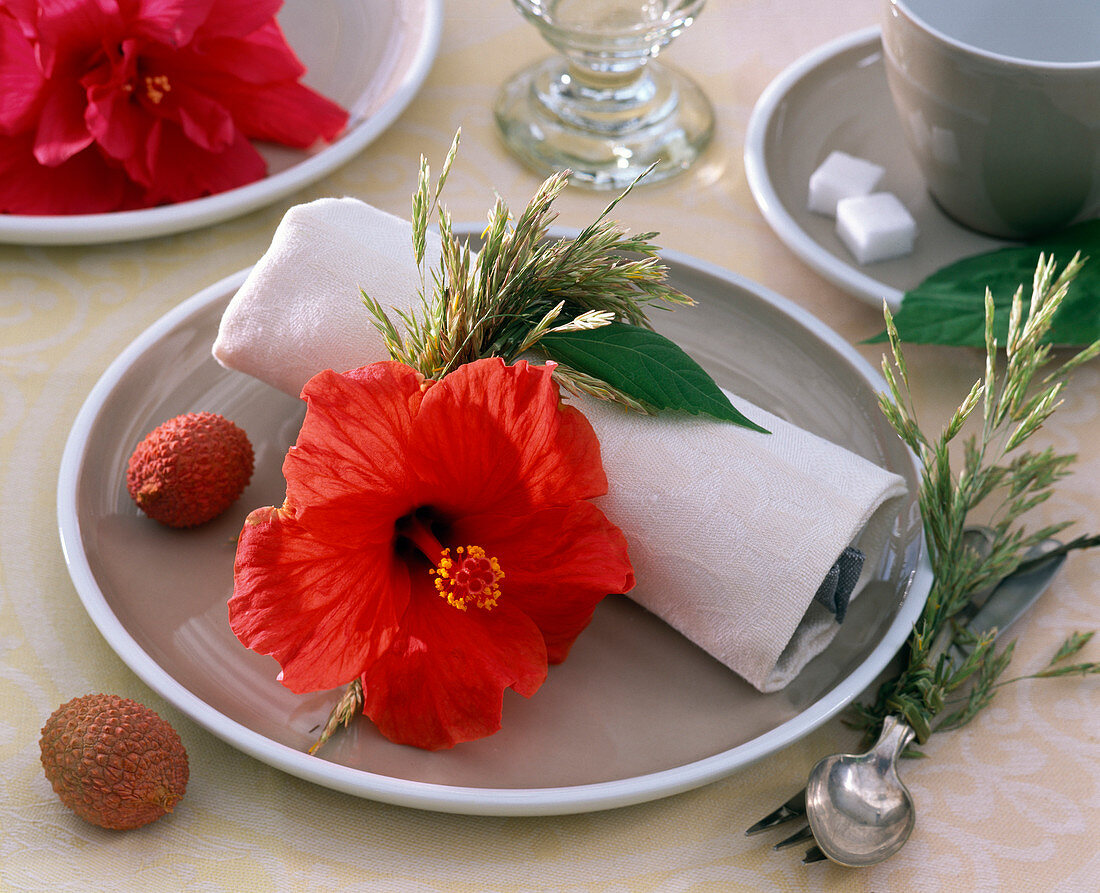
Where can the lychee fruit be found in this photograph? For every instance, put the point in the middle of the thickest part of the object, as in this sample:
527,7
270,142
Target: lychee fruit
113,761
190,469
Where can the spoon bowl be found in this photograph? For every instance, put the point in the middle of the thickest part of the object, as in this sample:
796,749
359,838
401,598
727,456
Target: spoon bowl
858,808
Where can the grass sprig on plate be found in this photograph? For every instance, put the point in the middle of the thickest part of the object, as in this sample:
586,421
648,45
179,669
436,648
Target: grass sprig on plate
520,286
998,469
524,292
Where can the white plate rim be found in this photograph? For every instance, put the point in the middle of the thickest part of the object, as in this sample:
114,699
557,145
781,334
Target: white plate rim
120,226
452,798
845,276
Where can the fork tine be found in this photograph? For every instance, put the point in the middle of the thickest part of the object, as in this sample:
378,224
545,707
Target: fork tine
792,809
802,834
814,854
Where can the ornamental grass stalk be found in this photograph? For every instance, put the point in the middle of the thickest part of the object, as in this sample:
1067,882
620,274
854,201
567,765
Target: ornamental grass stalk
999,474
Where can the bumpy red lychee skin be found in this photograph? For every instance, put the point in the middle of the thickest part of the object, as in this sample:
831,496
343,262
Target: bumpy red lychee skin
190,469
114,762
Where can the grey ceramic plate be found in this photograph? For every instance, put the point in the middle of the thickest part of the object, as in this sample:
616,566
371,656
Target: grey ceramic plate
371,58
837,98
637,712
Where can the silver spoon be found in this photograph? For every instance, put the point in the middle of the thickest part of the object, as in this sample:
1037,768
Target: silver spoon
858,808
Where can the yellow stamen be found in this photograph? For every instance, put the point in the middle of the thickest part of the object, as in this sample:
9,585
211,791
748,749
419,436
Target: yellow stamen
156,86
469,578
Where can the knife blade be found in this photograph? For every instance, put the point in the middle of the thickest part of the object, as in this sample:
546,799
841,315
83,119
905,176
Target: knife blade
1011,598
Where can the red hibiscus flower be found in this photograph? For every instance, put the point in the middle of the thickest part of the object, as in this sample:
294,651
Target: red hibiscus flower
115,104
436,542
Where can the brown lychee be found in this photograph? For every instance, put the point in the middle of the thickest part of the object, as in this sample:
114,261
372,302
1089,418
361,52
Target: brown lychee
190,469
113,761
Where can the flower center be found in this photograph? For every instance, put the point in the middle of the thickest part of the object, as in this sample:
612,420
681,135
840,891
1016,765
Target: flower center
467,577
470,578
156,87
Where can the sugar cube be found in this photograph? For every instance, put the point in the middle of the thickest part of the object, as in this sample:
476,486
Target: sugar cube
875,227
841,176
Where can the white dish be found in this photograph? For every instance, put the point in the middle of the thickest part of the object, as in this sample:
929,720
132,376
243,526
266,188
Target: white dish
837,98
371,58
636,713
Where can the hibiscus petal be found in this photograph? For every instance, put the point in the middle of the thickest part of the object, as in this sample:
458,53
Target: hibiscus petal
323,612
20,79
70,31
179,170
349,465
120,126
173,22
558,563
26,13
256,79
262,57
61,129
85,184
206,122
443,678
291,114
238,18
492,438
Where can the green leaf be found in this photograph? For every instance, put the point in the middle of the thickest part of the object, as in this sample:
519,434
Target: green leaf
949,306
645,366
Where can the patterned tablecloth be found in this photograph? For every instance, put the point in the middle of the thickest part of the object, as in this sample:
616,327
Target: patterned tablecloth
1010,803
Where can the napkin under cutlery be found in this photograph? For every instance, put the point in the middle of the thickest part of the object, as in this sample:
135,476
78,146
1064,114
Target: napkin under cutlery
731,532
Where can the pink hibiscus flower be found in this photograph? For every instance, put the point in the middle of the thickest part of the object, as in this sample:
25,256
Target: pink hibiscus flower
116,104
436,543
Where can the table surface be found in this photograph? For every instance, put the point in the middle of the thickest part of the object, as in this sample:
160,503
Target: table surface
1012,802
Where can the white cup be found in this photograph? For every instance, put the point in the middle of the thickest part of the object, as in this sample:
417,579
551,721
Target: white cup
1000,104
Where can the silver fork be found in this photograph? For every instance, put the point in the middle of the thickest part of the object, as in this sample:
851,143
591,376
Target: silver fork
994,609
795,808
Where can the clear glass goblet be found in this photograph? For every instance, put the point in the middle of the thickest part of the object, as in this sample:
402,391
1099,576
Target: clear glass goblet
604,108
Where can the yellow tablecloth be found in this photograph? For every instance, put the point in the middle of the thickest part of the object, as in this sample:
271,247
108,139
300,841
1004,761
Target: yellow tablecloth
1010,803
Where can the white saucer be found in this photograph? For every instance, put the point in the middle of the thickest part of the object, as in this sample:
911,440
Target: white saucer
837,98
369,58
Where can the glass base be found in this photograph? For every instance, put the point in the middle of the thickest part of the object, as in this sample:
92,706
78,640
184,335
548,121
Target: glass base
606,134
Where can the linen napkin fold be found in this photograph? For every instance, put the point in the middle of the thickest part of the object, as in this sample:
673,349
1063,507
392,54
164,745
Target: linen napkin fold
732,533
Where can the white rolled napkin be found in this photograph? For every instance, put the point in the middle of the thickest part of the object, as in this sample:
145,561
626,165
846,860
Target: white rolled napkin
731,532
